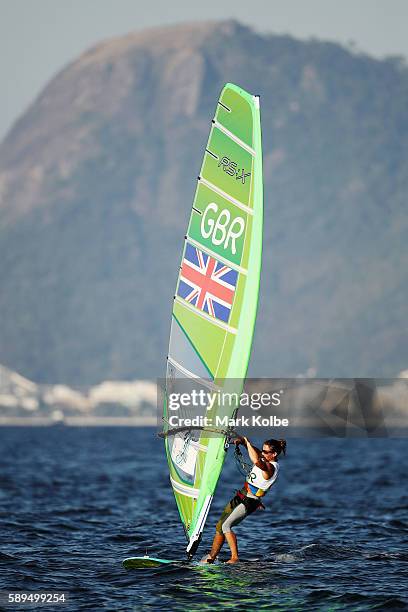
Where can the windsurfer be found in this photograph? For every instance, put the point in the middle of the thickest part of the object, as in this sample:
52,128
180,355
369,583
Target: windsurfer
262,476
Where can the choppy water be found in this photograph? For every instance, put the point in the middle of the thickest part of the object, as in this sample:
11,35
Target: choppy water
75,502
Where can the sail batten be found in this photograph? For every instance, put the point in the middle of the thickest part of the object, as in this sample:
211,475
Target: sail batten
226,195
234,137
213,254
215,303
206,316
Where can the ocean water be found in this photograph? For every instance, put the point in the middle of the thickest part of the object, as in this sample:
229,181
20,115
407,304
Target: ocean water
75,502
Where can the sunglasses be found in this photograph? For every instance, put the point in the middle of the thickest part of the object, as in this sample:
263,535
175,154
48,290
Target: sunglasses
267,452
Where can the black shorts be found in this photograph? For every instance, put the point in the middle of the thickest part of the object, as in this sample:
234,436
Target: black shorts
248,503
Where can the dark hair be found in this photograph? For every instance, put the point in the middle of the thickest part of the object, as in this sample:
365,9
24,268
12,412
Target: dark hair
278,446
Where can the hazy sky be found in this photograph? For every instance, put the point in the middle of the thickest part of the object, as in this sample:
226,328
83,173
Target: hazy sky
38,37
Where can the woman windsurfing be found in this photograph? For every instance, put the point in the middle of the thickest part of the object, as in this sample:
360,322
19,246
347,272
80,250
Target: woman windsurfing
263,475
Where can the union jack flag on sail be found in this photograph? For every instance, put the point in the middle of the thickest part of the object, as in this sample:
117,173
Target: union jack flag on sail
207,283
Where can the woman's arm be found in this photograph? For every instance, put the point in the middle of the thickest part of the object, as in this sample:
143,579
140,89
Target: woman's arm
256,457
244,441
254,453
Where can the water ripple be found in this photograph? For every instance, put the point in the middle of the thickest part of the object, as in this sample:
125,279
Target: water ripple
75,502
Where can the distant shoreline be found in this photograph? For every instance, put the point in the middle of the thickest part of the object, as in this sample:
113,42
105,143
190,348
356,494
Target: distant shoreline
79,421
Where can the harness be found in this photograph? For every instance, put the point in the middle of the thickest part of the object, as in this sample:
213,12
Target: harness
250,503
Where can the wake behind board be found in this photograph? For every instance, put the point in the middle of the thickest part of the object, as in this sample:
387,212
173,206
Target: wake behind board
144,562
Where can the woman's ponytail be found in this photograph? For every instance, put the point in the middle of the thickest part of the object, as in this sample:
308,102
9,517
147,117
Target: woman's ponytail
279,446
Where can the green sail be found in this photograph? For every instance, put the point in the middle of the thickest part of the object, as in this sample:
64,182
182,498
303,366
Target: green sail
215,304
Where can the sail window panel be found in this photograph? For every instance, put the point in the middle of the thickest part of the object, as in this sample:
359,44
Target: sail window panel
207,338
184,358
184,455
183,441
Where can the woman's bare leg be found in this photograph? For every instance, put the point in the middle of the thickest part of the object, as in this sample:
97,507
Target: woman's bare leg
218,541
233,544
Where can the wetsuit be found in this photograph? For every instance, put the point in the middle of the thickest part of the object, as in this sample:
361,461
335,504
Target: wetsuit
247,499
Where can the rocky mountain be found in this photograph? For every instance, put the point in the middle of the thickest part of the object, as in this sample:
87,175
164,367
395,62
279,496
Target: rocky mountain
96,184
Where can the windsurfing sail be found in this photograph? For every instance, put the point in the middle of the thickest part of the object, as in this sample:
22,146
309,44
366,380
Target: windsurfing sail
215,303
